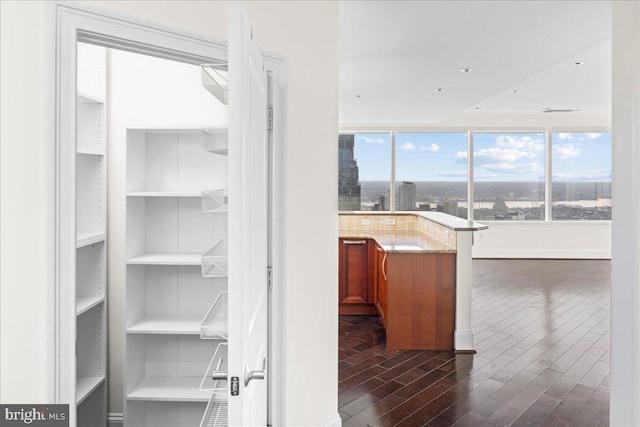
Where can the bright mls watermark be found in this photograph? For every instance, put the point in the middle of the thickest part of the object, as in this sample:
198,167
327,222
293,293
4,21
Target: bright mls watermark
34,415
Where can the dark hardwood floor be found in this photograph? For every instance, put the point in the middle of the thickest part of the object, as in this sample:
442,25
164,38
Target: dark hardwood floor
542,336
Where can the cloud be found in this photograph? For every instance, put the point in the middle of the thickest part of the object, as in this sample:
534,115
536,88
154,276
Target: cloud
520,142
565,135
407,146
513,168
461,155
502,155
509,155
566,151
481,175
589,135
369,140
433,148
584,175
452,174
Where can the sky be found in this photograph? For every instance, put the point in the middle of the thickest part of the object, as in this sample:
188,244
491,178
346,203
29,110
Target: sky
500,157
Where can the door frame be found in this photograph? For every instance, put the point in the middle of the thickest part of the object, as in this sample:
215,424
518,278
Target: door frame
71,22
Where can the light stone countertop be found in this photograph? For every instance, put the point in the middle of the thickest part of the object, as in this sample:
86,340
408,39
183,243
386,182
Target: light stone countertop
449,221
400,241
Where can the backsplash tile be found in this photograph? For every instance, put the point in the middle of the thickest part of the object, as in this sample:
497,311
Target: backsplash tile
394,222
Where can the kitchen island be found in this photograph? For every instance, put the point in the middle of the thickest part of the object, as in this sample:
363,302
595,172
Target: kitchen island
414,269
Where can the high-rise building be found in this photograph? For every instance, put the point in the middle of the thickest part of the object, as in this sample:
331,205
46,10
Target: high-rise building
406,197
450,207
384,202
348,179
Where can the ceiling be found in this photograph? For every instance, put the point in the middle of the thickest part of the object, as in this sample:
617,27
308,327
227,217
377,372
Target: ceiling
394,55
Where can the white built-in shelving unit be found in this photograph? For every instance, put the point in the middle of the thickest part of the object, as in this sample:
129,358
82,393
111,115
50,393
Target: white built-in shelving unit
176,272
91,237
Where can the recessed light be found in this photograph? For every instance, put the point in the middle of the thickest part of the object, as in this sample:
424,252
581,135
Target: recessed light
578,63
515,91
476,108
440,89
358,96
465,70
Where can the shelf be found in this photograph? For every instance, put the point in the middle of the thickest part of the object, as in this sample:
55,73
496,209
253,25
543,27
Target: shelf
168,389
87,303
218,364
215,262
86,98
89,153
217,413
165,325
216,141
85,385
193,194
86,239
215,323
215,201
166,259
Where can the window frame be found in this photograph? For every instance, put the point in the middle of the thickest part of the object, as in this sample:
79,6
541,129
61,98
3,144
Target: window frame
466,131
392,169
549,173
471,131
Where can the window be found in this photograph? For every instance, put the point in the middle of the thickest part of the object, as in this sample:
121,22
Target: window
431,175
508,176
508,179
581,178
364,171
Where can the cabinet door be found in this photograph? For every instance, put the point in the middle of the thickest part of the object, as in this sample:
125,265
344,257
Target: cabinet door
381,282
354,272
372,266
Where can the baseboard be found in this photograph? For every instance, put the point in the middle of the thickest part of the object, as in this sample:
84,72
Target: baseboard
541,254
115,420
334,421
463,341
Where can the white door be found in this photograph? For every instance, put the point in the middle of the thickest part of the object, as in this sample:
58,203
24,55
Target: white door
248,222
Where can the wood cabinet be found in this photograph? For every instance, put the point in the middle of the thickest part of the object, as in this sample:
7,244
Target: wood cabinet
357,276
413,292
417,300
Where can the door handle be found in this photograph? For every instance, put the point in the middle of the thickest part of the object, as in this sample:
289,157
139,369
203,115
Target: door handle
384,266
354,242
219,374
250,374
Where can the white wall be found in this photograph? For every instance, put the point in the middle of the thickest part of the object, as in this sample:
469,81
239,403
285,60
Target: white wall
511,239
497,121
307,34
23,218
530,121
142,91
625,264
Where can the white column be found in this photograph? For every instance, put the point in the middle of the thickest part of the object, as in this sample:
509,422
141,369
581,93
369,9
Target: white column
625,251
463,337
